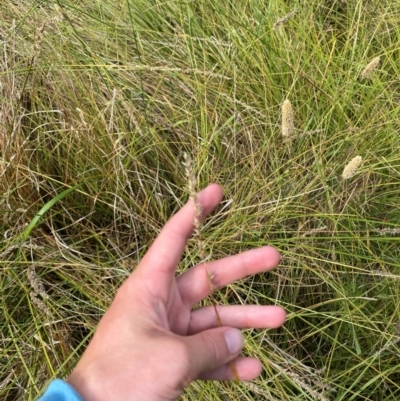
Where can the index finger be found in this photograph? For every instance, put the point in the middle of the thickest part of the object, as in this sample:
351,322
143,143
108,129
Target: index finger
163,256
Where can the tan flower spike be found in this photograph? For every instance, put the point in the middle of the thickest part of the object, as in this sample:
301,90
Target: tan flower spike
351,167
370,67
287,119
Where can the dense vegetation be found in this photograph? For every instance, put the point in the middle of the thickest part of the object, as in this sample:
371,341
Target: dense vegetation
98,102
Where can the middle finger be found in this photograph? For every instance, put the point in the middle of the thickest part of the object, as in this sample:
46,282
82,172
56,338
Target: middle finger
239,316
194,285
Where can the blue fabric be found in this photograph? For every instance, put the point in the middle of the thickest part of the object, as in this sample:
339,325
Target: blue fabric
59,390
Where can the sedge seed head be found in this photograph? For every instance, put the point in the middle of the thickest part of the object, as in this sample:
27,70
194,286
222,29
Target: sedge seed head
370,67
351,167
287,119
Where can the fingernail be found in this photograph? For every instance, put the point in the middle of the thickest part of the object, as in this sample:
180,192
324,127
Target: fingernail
234,341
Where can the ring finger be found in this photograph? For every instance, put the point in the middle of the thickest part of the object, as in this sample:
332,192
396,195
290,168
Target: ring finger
239,316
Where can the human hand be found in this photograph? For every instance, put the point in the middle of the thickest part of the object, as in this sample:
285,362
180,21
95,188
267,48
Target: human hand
150,343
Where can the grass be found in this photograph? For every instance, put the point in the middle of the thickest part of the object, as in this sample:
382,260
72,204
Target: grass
105,97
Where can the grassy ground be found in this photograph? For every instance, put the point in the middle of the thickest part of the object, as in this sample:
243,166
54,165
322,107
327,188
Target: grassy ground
103,97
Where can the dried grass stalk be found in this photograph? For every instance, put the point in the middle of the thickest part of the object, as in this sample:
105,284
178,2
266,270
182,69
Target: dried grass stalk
192,184
287,119
351,167
370,67
389,231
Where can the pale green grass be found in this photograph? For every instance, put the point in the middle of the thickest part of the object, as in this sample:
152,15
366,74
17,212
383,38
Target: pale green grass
111,97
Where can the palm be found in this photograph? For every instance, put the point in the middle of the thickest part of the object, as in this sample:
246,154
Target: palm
177,312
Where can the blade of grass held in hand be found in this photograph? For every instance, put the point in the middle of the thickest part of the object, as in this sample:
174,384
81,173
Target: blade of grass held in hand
200,243
219,323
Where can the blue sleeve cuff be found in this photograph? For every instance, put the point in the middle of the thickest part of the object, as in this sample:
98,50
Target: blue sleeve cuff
59,390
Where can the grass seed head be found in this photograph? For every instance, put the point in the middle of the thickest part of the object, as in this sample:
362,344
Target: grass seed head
287,119
42,30
283,20
370,67
192,184
351,167
39,303
35,282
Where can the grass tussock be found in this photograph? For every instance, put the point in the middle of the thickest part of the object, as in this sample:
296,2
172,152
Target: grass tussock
99,101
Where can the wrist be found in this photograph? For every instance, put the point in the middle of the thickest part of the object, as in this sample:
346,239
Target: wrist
88,389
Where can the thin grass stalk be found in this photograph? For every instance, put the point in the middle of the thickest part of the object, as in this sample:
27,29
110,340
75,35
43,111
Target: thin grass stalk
192,185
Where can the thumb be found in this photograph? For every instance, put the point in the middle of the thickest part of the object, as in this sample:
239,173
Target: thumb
213,348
